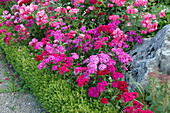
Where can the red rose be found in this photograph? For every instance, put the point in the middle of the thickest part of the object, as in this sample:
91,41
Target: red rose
104,100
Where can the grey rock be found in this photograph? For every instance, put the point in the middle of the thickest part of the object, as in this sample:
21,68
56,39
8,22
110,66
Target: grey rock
153,53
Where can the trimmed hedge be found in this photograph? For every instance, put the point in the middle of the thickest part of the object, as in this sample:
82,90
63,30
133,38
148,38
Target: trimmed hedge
55,94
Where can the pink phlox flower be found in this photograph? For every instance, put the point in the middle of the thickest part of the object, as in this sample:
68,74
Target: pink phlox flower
109,5
136,104
73,11
76,2
117,75
98,44
63,69
78,70
104,58
38,45
82,81
54,68
33,42
92,92
131,10
111,68
101,86
129,96
111,62
114,17
118,2
75,55
83,29
94,59
140,2
102,67
87,60
41,65
128,109
162,13
115,84
92,66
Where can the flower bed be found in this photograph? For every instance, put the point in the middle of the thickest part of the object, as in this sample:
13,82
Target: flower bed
76,58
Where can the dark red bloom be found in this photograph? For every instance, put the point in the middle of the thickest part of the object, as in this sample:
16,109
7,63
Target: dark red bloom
104,100
122,85
101,13
125,17
103,72
24,2
93,1
103,28
39,57
99,2
97,8
6,79
30,17
118,96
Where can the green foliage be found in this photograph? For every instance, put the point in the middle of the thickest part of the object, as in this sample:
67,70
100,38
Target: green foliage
159,91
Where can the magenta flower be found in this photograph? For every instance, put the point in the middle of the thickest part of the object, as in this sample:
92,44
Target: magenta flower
117,75
92,92
75,56
81,80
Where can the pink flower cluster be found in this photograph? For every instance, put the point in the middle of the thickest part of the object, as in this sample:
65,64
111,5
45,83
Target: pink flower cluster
122,56
118,2
139,3
131,10
22,31
96,91
26,11
100,62
8,36
41,17
81,80
146,22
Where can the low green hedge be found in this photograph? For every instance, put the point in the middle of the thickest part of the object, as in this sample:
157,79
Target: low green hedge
51,89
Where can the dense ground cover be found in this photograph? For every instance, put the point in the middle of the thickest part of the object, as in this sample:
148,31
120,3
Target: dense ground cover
72,55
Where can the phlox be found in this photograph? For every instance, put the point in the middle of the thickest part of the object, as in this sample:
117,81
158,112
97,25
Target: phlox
118,2
131,10
140,2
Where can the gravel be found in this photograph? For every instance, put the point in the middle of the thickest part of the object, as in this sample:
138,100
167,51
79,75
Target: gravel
12,101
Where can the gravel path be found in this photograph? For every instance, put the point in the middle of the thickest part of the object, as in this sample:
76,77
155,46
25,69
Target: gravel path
11,100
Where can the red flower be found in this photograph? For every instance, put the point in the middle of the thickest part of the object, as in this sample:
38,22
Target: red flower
122,85
119,96
104,100
82,81
93,1
6,79
99,2
24,2
103,72
39,57
103,28
30,17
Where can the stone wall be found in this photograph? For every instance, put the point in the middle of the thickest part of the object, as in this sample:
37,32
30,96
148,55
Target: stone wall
153,53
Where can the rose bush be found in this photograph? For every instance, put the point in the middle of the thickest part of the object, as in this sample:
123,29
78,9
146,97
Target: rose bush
85,41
